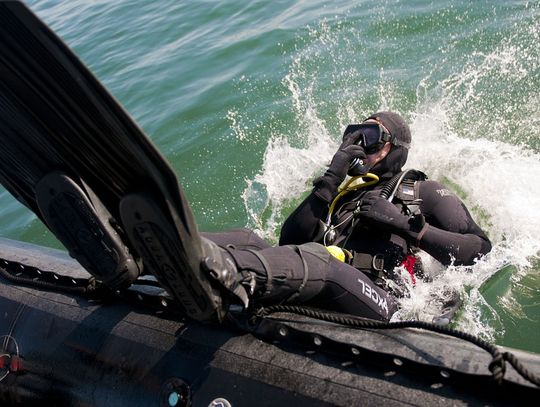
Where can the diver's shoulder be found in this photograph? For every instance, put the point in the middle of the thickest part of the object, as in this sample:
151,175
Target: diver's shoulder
434,189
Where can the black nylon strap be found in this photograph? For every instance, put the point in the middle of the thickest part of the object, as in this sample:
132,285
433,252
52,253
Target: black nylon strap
306,275
267,268
367,262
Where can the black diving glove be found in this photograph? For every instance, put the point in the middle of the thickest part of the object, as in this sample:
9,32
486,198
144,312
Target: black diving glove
381,213
326,186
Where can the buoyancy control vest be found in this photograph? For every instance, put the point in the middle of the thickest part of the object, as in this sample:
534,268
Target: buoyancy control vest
378,254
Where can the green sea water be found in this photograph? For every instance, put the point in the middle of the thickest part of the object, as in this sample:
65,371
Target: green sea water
248,100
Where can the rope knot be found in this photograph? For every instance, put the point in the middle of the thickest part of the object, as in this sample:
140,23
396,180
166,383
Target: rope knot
497,367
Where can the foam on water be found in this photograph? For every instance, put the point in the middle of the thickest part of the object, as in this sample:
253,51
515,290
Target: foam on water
286,169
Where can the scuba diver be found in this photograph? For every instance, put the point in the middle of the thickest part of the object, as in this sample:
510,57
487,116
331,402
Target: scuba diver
380,222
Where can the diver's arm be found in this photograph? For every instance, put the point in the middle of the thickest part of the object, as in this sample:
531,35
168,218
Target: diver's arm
445,228
450,233
450,247
303,224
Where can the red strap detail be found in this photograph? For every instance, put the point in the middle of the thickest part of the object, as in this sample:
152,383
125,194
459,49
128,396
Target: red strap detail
409,262
13,363
4,361
16,364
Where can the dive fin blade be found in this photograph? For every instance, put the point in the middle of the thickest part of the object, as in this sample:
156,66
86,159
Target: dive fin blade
176,263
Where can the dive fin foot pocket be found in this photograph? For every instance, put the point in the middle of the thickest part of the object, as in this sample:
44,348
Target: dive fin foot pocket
79,220
175,263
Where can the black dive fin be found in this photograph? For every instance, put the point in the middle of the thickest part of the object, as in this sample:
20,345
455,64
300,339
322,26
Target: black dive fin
56,116
83,225
171,260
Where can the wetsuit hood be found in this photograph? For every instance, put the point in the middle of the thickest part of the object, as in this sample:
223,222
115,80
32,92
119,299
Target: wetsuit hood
397,157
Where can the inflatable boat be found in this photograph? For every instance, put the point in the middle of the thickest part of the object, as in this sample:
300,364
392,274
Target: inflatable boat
62,344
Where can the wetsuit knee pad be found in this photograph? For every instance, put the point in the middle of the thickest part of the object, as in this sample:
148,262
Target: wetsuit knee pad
317,250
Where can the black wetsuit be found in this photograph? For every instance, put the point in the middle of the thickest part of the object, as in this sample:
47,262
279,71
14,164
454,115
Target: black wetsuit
302,271
449,235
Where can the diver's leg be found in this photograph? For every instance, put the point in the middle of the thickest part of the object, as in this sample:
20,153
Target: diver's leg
239,238
308,274
349,290
282,274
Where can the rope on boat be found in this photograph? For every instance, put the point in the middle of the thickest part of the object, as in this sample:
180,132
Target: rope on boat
497,366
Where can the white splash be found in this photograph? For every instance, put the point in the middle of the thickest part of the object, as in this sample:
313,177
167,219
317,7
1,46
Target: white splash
287,170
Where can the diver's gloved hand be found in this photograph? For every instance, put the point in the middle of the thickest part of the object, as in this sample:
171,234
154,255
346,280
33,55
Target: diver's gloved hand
326,186
381,213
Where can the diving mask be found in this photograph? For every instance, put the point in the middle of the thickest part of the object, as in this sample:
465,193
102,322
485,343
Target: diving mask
373,137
